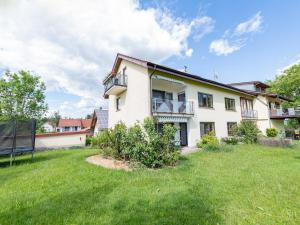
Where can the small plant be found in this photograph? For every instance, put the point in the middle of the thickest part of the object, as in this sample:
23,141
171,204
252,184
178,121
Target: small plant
230,140
208,139
88,141
247,131
271,132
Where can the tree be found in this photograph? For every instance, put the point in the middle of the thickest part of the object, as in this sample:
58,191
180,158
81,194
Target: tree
54,118
88,116
22,96
288,84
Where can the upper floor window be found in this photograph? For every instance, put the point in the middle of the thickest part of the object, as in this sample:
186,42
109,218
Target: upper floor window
206,127
230,104
205,100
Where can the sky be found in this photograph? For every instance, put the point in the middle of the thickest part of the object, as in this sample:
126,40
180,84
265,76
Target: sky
72,45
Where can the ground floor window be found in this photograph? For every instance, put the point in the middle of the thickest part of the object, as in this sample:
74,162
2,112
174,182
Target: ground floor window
206,127
230,128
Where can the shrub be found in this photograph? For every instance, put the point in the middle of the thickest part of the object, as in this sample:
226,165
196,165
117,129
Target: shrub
88,141
247,131
271,132
208,139
230,140
140,144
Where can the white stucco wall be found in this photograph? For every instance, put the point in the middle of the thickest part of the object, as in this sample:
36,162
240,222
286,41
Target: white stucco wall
135,101
60,141
218,114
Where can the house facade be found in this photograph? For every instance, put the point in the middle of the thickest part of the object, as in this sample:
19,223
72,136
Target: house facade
99,121
137,89
70,125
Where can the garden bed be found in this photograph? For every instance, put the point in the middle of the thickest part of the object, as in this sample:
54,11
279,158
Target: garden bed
108,163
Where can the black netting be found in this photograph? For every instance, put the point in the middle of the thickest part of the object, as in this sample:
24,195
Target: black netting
17,136
24,136
6,136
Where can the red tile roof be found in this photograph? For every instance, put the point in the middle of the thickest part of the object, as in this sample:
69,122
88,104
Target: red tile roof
84,123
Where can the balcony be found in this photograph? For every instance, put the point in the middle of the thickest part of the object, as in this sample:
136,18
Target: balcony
165,107
115,84
249,114
284,113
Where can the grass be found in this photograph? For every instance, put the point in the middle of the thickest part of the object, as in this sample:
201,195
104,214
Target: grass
250,185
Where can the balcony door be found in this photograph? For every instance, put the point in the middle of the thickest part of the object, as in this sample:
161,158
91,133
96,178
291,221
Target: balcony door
181,102
246,105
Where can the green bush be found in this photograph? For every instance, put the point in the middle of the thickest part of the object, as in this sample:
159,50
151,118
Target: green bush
247,131
230,140
140,144
88,141
208,139
271,132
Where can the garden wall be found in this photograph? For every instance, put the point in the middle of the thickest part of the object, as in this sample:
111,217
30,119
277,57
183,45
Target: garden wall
60,140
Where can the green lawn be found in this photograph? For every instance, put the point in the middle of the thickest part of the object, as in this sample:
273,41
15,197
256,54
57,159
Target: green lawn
250,185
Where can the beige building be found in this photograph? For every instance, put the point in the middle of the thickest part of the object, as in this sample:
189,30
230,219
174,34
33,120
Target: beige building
137,89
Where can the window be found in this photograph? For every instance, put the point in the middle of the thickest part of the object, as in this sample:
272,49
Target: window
230,126
230,104
118,103
205,100
67,128
206,127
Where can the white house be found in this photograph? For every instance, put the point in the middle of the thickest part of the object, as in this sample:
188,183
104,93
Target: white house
99,120
48,127
137,89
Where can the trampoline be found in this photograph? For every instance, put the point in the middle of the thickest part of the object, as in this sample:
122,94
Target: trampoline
17,137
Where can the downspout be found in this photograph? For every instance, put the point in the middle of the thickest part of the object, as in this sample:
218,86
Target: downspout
151,89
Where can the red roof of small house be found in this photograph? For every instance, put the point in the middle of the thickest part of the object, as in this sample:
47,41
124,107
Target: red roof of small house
84,123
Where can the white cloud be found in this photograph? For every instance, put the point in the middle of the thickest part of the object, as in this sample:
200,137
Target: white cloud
233,41
72,45
202,26
223,47
252,25
189,52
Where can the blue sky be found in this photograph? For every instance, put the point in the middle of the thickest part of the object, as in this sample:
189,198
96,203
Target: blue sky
72,47
264,53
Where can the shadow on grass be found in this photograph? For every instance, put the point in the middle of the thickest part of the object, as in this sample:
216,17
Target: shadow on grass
26,158
100,205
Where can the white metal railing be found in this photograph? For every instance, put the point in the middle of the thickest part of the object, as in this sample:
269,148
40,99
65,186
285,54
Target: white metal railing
118,79
250,114
284,112
172,106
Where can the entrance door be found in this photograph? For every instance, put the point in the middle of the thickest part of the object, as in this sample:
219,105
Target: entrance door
183,134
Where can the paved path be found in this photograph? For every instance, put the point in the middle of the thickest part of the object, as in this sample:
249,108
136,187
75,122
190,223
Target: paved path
188,150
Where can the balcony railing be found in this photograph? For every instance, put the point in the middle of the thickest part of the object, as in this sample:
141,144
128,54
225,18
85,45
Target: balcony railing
116,80
285,113
249,114
172,106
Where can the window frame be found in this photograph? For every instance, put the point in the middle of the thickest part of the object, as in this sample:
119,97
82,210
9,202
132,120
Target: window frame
229,133
207,105
230,101
206,123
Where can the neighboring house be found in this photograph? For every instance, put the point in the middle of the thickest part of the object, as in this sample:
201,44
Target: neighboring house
99,120
137,89
48,127
68,125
